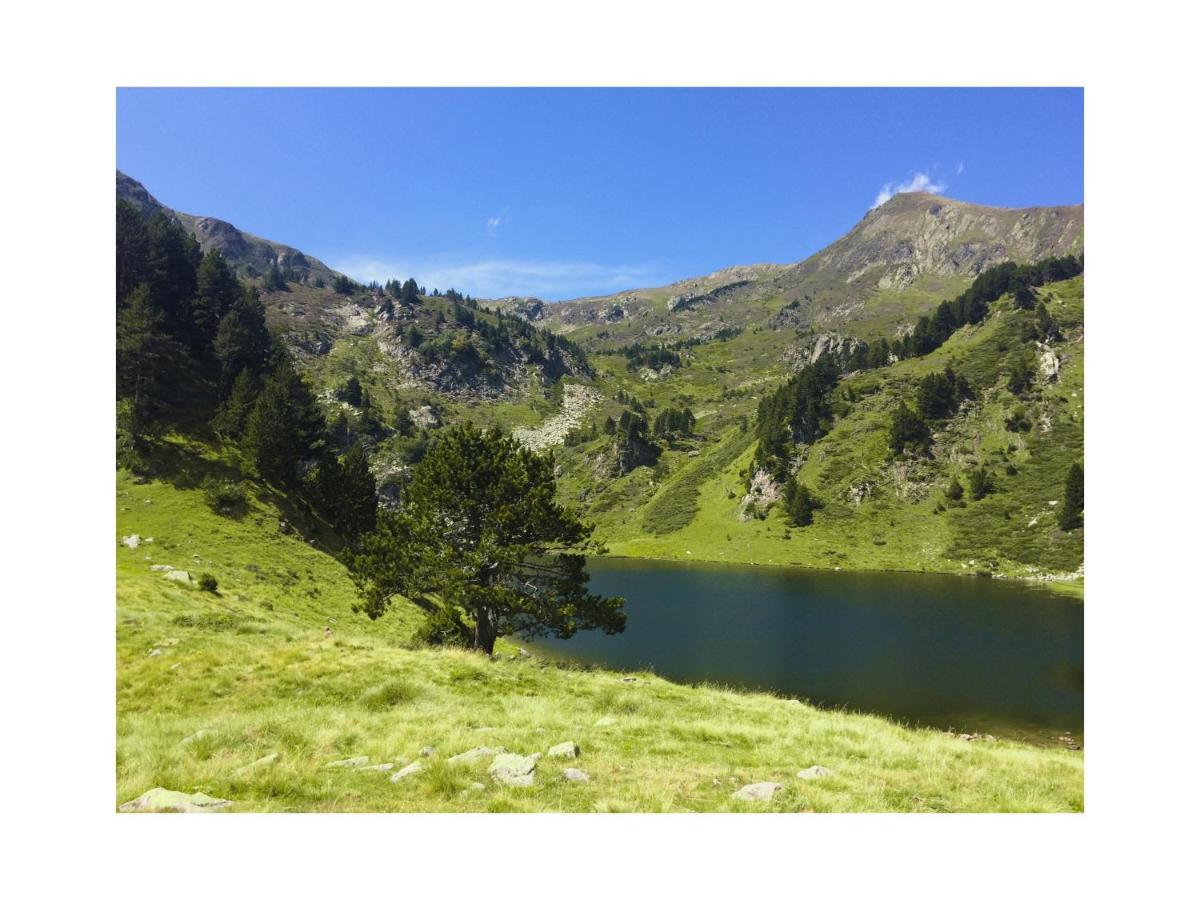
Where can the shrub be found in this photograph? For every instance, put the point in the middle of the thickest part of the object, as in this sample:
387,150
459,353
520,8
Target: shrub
208,582
225,497
954,490
981,483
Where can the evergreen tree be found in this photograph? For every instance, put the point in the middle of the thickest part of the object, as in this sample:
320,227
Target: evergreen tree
242,342
480,531
133,250
408,293
232,414
908,432
1024,297
274,280
217,291
356,504
1070,513
146,356
352,391
285,427
800,503
610,425
174,257
1020,377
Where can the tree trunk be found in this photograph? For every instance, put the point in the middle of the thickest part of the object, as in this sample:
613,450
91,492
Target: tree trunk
485,630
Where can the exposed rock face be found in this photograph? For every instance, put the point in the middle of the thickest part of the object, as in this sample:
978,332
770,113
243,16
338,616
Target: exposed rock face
763,492
840,347
1049,364
565,750
922,234
577,400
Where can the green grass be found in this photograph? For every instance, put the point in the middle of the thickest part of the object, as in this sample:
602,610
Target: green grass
253,668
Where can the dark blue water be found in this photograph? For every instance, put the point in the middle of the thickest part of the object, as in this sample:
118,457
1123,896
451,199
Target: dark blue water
936,650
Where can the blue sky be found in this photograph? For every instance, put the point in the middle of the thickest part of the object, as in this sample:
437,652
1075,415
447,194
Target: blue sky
566,193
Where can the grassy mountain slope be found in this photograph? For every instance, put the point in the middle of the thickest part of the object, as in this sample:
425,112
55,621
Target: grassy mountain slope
739,333
252,672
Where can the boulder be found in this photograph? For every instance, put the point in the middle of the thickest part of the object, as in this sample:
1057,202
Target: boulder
382,767
576,775
162,568
513,769
814,772
428,751
353,762
180,575
565,750
605,722
410,769
160,799
132,541
759,791
475,753
157,651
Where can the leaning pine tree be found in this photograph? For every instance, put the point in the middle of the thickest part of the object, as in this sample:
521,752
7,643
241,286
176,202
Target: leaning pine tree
480,535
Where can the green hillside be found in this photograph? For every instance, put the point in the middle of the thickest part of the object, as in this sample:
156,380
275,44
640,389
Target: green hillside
209,684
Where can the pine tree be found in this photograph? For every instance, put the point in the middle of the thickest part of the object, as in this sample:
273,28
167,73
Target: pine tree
242,342
800,503
146,356
481,531
1070,513
133,250
174,257
908,431
356,504
217,291
232,414
284,428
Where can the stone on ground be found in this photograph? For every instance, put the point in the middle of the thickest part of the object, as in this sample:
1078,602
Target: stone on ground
410,769
132,541
180,575
513,769
762,790
352,763
814,772
269,760
605,722
382,767
576,775
160,799
162,568
203,732
428,751
567,750
475,753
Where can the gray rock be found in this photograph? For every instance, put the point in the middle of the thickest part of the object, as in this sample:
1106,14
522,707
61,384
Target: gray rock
157,651
814,772
605,722
160,799
202,733
269,760
759,791
428,751
567,749
476,753
352,763
477,786
513,769
132,541
410,769
180,575
162,568
577,775
382,767
521,651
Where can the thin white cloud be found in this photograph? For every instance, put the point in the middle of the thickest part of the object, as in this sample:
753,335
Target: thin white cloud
921,181
959,170
549,279
493,223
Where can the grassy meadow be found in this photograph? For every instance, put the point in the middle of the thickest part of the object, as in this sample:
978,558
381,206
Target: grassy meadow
209,684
